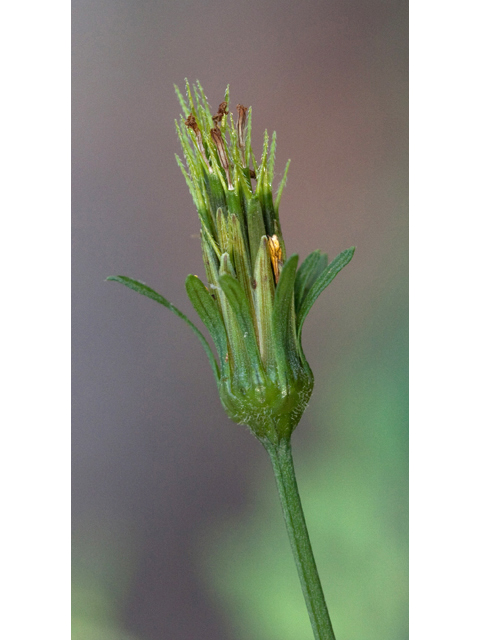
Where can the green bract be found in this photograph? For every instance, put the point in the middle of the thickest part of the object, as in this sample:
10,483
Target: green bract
254,301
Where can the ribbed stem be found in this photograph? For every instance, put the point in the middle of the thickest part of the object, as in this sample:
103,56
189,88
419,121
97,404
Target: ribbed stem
282,461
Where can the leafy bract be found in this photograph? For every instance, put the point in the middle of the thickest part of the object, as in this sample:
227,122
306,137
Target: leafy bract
307,274
209,313
323,280
243,331
283,318
144,290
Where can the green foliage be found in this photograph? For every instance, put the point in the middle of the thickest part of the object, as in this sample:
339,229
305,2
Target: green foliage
321,283
309,271
281,187
286,349
209,314
242,330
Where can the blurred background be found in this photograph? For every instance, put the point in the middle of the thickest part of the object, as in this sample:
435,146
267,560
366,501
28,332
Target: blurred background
177,529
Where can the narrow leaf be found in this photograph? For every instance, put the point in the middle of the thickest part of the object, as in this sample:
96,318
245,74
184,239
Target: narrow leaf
248,139
193,111
283,317
204,99
141,288
264,159
227,95
215,193
241,260
202,121
209,313
324,279
211,263
246,332
271,159
309,270
281,188
224,239
237,352
181,100
256,226
264,296
268,207
205,109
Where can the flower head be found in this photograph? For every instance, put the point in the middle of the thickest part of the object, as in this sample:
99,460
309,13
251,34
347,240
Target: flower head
254,302
252,297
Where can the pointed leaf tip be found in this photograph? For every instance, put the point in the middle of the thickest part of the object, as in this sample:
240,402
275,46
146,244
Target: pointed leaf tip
321,283
310,269
148,292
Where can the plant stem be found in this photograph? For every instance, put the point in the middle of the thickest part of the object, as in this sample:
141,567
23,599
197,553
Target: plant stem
282,461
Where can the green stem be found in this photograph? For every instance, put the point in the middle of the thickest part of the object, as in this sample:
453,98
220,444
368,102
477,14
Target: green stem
282,461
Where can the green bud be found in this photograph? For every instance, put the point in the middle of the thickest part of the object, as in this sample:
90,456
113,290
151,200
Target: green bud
256,302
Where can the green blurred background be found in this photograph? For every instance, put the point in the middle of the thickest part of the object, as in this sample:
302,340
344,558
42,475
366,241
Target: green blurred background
177,530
